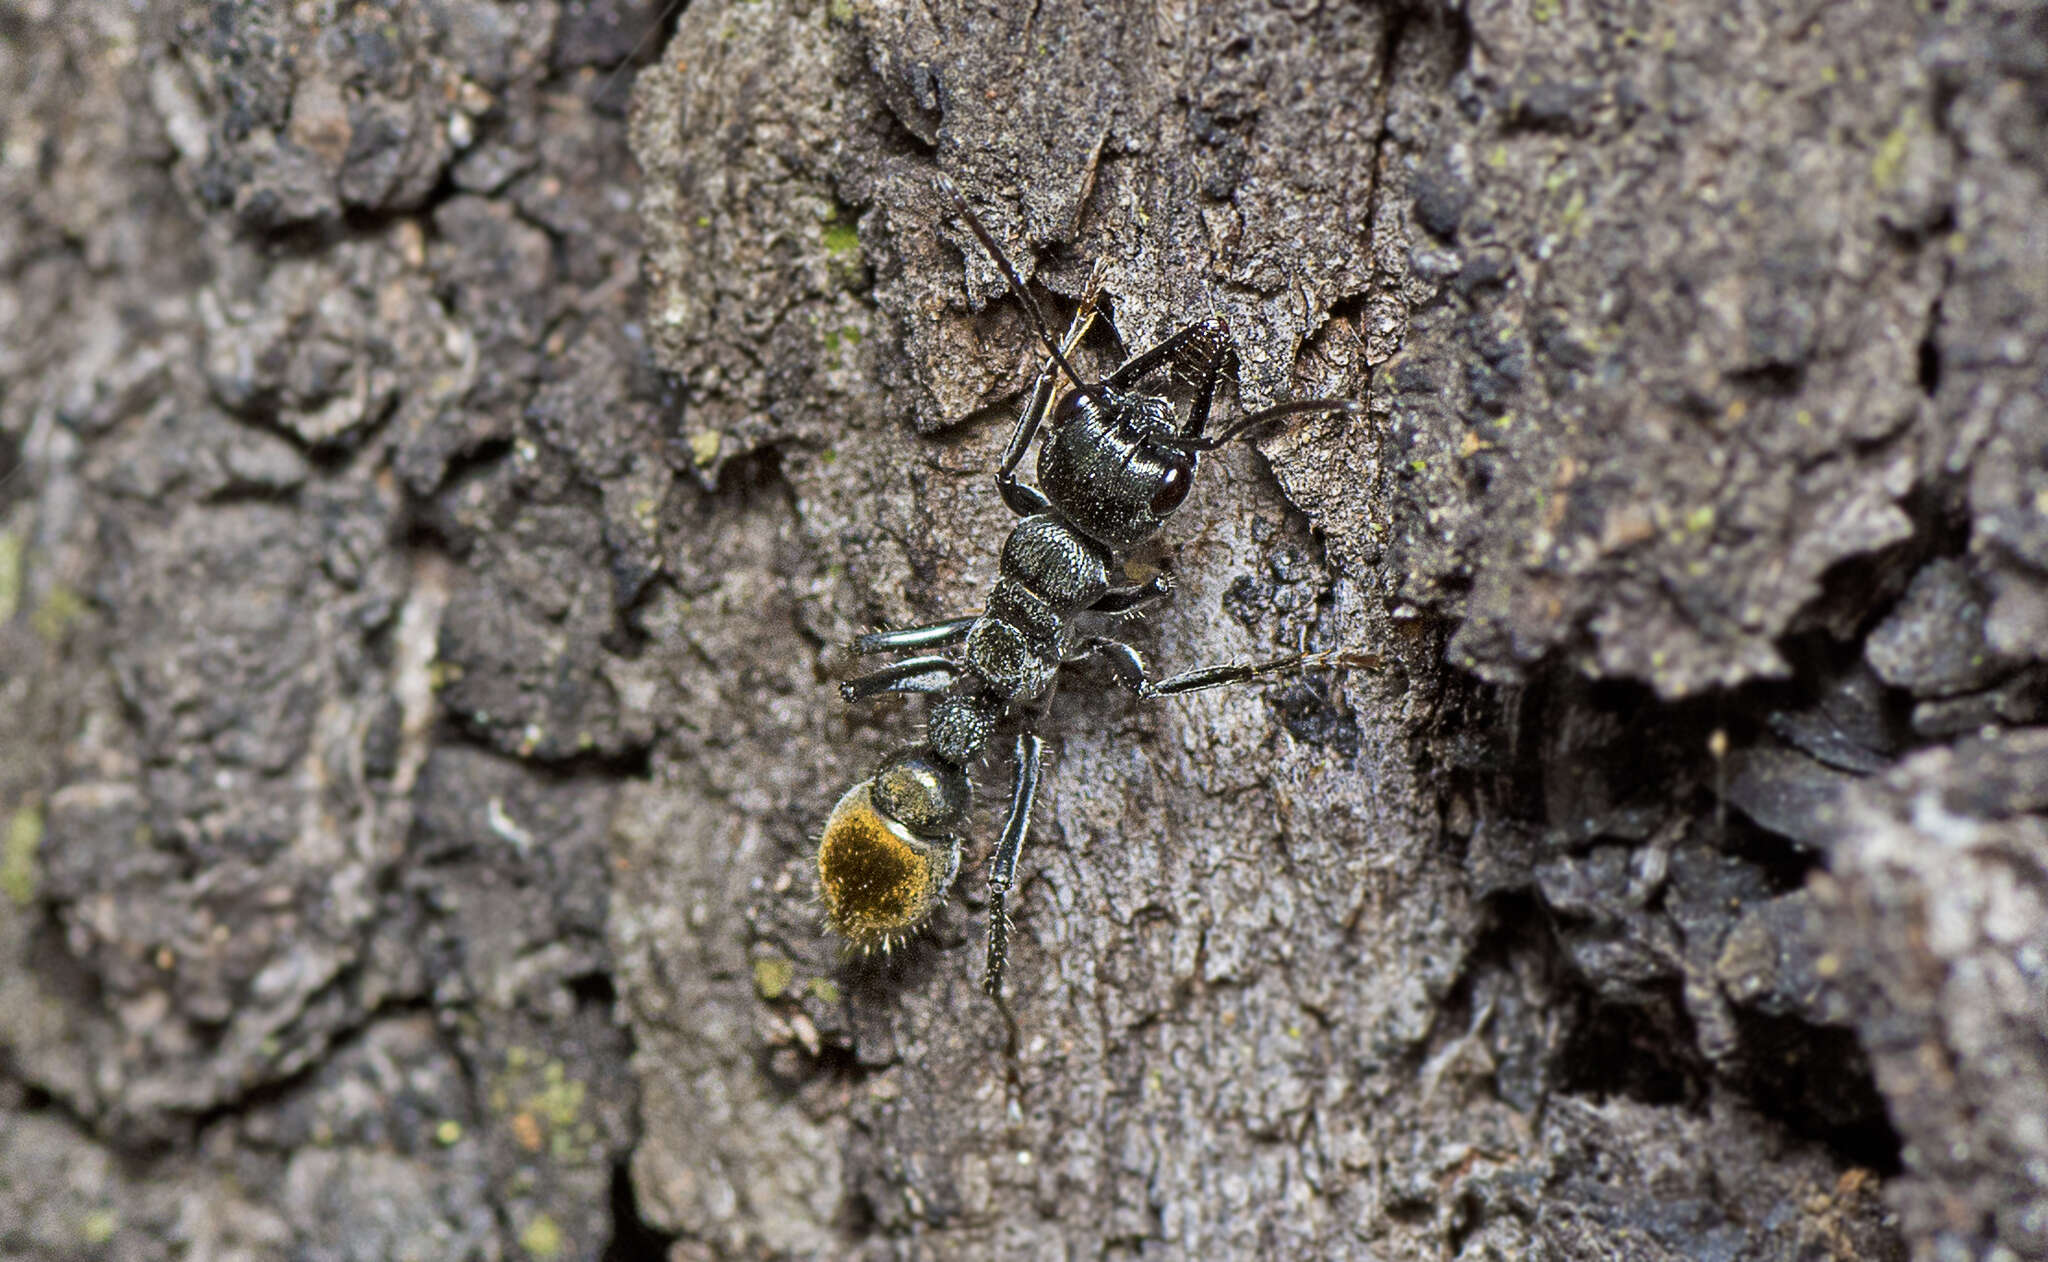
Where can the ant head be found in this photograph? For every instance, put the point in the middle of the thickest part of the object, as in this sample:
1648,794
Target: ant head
887,855
1112,467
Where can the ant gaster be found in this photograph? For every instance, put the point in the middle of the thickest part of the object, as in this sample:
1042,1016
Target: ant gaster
1115,463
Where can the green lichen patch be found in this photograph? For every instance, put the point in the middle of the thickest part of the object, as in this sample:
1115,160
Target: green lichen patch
10,574
19,871
772,977
58,611
542,1237
841,240
98,1227
1891,151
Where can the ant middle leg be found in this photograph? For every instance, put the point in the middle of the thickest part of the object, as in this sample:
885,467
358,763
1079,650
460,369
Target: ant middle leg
1125,601
913,674
929,635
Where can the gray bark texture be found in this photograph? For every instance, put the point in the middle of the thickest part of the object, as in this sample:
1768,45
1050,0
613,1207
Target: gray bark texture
439,475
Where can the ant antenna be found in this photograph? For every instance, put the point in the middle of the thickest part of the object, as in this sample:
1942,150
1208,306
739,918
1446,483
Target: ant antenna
668,11
995,252
1350,407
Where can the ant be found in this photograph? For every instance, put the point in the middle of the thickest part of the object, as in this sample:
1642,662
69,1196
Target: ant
1115,463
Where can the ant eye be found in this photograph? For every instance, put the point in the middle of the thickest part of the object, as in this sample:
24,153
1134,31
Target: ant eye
1174,486
1070,406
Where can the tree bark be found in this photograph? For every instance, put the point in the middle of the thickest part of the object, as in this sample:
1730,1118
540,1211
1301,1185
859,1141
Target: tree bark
423,580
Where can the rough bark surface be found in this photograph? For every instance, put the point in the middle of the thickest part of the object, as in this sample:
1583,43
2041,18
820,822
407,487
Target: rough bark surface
426,543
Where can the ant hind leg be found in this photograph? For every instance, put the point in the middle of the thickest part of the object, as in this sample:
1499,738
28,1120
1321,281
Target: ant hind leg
1128,665
1002,870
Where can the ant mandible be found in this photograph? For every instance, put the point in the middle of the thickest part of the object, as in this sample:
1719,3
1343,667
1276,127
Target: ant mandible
1114,465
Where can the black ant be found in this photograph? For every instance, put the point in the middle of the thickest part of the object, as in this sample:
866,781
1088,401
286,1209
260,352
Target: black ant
1114,465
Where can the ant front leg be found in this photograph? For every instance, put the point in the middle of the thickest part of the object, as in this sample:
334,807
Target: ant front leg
1026,501
1003,870
1214,339
1205,391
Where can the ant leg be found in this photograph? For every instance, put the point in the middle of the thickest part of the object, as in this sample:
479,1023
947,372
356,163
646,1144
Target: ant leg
1246,424
1128,665
1133,599
931,635
1028,500
912,674
1003,870
1138,366
1205,392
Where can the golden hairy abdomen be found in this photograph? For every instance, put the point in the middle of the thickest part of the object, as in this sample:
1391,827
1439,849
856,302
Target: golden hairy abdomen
876,880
